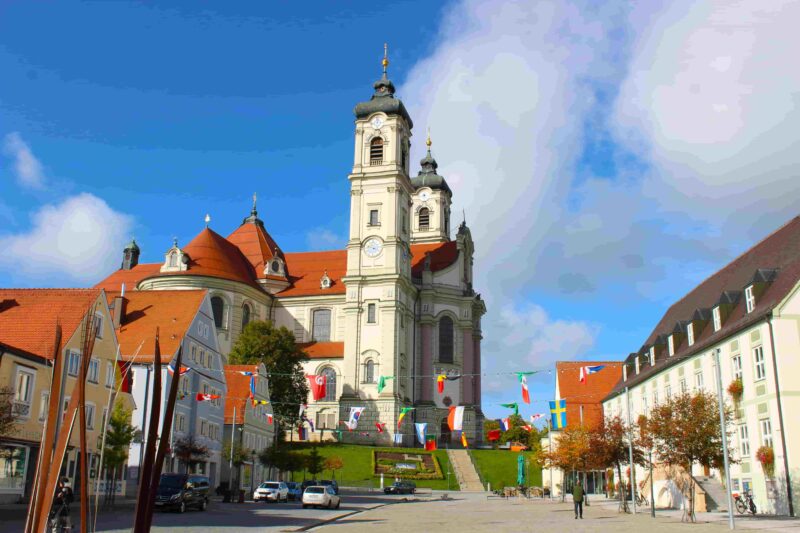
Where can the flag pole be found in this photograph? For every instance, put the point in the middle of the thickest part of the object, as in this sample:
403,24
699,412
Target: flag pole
550,450
630,452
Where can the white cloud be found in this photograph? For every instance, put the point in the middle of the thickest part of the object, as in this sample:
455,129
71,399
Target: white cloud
27,168
324,239
79,239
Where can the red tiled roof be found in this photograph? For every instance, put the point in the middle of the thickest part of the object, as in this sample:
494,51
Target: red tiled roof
238,391
170,311
589,394
443,254
306,269
130,278
779,250
28,317
257,246
323,350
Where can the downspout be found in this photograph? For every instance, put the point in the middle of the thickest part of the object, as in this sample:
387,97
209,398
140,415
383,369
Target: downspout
780,417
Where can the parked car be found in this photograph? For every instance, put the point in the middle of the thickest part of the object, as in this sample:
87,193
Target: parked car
271,491
401,487
329,483
319,496
181,491
308,483
295,492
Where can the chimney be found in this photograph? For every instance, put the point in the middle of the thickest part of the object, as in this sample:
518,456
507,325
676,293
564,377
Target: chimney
118,308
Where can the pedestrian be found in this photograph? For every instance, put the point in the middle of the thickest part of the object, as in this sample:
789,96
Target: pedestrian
61,502
577,499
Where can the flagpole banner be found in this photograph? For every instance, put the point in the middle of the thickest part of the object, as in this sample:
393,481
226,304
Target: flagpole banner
421,427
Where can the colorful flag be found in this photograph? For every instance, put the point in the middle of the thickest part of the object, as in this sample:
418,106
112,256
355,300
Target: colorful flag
403,413
420,428
260,402
269,419
536,417
463,439
382,382
398,438
310,423
430,442
514,406
303,408
587,370
523,380
440,383
206,397
171,369
527,428
318,386
355,414
381,426
505,423
558,414
455,420
493,435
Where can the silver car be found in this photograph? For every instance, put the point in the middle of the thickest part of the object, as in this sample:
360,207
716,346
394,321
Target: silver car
271,491
319,496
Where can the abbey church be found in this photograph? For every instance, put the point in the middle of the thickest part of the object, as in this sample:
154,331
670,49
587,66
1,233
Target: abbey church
397,302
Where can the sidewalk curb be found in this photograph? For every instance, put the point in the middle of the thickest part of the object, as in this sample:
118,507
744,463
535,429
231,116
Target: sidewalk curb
334,519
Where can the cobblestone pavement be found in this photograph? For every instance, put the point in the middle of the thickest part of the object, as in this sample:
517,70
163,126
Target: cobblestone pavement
476,512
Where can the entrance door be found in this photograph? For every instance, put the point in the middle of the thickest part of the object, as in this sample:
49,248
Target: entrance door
444,439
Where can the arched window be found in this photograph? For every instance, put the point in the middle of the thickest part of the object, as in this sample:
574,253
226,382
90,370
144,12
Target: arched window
446,340
376,151
369,371
330,384
218,308
173,259
321,325
245,315
424,219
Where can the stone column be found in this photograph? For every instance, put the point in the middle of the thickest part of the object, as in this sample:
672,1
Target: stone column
426,369
477,369
468,367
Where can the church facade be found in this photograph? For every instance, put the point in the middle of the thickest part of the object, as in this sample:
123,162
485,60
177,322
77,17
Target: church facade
397,302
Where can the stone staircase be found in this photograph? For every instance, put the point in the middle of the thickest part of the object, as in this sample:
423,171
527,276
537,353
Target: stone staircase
468,479
716,499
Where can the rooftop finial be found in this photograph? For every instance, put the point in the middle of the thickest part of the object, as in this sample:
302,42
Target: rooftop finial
428,140
385,61
208,219
253,212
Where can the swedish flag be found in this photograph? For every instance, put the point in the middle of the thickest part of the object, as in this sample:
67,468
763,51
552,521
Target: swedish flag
558,414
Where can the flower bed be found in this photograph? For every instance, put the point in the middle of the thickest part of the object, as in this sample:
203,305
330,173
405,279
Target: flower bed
419,465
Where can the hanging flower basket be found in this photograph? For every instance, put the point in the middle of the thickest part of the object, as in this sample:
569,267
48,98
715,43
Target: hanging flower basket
736,389
766,456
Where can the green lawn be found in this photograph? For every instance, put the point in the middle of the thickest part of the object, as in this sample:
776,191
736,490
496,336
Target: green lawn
357,470
499,467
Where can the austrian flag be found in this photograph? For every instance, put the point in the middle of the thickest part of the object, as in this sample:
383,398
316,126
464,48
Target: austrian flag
206,397
586,370
318,386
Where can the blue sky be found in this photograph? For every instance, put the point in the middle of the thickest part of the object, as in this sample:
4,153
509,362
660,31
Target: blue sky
608,157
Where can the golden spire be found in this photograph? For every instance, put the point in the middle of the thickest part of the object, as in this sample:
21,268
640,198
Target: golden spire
428,140
385,61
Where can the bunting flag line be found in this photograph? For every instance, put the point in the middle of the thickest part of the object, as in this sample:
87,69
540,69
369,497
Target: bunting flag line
527,428
514,406
398,438
523,380
269,419
381,426
588,370
493,435
403,413
260,402
303,408
382,382
206,397
430,442
505,424
558,414
171,369
463,439
440,383
455,419
420,428
318,386
536,417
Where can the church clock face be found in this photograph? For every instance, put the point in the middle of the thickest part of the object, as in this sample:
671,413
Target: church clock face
377,122
373,247
424,195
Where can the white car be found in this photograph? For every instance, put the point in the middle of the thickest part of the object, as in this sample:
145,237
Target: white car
319,496
271,491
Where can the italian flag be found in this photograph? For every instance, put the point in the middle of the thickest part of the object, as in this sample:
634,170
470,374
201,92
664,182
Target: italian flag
523,380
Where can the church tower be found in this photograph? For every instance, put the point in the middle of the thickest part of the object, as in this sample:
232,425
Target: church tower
379,290
432,199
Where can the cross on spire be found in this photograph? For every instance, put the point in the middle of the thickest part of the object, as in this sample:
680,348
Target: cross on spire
385,61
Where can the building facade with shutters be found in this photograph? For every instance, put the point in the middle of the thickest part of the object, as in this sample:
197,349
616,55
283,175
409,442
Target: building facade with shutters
397,302
748,315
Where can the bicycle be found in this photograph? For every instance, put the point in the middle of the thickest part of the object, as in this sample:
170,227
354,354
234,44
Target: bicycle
744,503
59,520
641,500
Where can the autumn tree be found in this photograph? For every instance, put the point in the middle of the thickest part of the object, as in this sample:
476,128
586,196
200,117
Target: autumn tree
119,435
570,451
332,464
8,416
685,430
517,432
190,452
609,447
261,342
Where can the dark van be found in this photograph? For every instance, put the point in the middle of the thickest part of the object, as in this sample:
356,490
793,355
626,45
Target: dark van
182,491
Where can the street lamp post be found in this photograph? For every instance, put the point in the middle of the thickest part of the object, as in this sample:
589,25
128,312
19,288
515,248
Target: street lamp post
252,470
722,428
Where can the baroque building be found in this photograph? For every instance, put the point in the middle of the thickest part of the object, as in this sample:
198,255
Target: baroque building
397,302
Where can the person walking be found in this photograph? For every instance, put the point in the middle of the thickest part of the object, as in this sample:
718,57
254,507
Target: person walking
577,499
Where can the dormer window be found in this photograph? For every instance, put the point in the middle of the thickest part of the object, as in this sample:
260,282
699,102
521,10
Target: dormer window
274,267
652,355
690,334
717,318
175,260
376,151
671,345
325,281
749,299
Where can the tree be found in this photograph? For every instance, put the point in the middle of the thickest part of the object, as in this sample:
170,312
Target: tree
608,447
261,342
571,451
190,452
119,435
314,462
685,430
238,458
333,463
8,416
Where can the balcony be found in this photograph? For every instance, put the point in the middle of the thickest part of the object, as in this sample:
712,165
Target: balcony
21,409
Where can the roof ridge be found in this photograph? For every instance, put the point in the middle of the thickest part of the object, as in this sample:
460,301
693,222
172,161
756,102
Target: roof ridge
317,251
